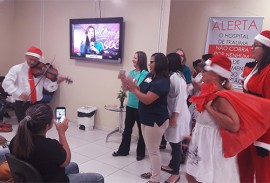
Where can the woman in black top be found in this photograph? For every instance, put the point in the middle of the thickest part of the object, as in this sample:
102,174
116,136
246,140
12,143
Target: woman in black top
50,157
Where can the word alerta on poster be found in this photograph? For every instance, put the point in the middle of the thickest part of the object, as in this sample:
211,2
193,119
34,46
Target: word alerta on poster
233,37
227,41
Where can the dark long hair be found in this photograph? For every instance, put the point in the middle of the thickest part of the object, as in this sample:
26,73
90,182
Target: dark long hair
36,119
142,60
161,65
174,63
86,32
207,56
265,61
87,42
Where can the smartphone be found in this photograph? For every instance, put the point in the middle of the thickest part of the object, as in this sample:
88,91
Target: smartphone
60,114
122,74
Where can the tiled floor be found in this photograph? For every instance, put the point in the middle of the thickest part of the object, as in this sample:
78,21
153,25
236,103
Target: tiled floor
93,154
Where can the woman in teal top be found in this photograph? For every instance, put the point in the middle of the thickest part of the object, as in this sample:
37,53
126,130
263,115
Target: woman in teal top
139,74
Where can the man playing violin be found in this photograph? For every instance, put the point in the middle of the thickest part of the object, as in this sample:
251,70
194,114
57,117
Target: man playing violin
25,86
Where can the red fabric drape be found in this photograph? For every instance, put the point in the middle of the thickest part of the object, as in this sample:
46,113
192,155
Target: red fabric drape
253,113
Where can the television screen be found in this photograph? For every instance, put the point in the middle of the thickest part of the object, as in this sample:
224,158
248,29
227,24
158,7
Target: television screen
96,39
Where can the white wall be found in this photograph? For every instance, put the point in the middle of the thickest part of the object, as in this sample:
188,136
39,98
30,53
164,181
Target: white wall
6,35
45,23
189,21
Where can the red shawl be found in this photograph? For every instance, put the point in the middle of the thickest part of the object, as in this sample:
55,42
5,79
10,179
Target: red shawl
253,113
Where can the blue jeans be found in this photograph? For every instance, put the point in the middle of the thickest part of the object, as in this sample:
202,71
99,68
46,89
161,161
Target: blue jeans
72,171
2,154
46,98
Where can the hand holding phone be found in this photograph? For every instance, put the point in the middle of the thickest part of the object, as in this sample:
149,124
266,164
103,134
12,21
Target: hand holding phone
122,74
131,83
60,114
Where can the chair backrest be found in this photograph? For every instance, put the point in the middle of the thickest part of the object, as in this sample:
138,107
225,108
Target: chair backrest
22,171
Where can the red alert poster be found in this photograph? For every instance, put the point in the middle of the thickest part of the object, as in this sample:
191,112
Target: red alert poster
233,37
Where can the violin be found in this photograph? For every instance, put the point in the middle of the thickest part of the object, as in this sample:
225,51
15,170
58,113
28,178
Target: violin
48,71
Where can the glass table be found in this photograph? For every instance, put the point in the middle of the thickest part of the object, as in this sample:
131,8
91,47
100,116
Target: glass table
115,108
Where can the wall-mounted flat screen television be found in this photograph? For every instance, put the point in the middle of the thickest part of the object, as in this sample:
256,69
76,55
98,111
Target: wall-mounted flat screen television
96,39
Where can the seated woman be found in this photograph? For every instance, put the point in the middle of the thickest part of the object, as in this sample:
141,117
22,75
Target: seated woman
3,148
5,174
50,157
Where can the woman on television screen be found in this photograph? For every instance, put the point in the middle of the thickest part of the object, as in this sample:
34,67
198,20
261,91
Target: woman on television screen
90,45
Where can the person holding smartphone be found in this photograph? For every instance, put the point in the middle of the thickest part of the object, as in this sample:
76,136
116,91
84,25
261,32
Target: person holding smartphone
60,114
139,74
153,112
49,156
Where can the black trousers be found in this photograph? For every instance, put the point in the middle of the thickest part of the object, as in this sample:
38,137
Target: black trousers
132,115
20,108
176,158
163,141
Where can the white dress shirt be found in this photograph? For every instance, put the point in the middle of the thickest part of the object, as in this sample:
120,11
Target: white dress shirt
16,82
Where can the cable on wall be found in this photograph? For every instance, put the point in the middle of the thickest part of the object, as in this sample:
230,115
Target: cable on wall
161,24
41,34
99,5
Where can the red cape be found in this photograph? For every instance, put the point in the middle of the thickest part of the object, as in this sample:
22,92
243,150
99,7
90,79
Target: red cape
253,113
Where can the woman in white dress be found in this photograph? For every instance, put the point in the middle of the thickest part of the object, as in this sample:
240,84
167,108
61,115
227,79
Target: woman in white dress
206,162
179,115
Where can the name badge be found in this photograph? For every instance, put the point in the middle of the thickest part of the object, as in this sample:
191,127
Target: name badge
148,80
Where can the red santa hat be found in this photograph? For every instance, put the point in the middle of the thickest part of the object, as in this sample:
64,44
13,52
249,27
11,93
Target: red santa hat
219,64
264,38
34,51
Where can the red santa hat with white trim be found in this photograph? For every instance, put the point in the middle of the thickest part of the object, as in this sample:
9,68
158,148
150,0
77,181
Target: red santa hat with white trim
264,38
34,51
219,64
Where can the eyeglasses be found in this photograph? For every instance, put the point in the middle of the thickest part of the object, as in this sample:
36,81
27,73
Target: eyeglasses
255,45
152,62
